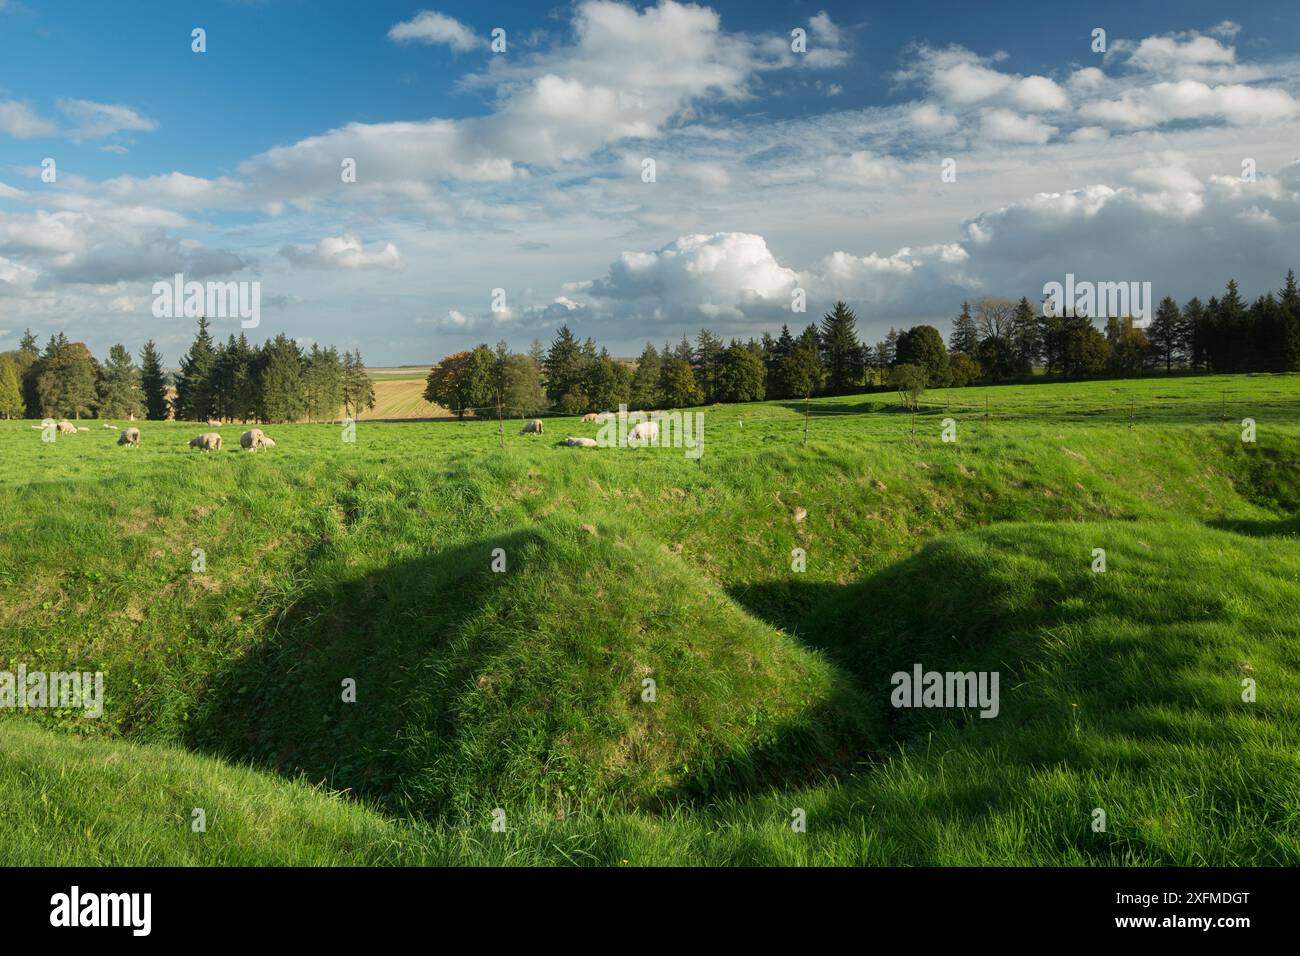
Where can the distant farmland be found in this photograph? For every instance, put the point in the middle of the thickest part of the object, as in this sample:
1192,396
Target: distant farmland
399,393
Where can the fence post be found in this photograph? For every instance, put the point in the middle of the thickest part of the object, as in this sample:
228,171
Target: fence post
807,396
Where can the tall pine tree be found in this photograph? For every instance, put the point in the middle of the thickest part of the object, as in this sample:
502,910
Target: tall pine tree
119,386
153,383
194,384
841,352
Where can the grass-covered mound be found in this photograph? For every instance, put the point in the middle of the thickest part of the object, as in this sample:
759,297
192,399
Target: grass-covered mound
593,671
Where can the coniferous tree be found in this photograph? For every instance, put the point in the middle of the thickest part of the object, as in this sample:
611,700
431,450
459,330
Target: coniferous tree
119,390
358,389
777,365
891,347
280,394
1289,303
322,380
645,391
1026,346
1166,332
153,383
805,375
1196,334
841,351
707,358
194,384
965,336
1230,336
563,364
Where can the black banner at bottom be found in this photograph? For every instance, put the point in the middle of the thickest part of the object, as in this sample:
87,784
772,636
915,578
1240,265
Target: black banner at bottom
338,905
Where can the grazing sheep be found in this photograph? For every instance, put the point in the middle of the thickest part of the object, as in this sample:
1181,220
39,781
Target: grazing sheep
66,428
208,441
594,416
580,442
643,432
129,436
535,427
81,429
214,423
110,426
254,439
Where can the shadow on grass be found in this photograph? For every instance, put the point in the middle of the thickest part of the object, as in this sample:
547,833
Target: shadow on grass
281,707
1279,527
992,600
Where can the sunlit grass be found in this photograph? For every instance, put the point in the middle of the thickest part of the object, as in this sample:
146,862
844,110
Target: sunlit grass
522,690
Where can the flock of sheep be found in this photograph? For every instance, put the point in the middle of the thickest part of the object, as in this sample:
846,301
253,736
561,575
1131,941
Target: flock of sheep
250,440
642,431
255,438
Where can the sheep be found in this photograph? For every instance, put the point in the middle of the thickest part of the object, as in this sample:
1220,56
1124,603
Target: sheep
643,433
254,439
580,442
535,427
82,429
214,423
66,428
110,426
129,436
208,441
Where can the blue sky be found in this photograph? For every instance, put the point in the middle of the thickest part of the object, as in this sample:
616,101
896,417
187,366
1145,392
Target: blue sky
522,171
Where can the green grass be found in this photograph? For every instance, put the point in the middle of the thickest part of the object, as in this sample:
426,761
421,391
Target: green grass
523,690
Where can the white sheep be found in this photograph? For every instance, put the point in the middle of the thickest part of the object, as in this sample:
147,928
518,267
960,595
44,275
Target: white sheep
66,428
643,433
129,436
208,441
110,426
535,427
580,442
254,439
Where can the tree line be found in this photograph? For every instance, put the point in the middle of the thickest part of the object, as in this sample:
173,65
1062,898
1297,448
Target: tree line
277,381
992,341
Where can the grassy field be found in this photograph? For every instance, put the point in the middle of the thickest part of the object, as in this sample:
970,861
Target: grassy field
523,691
